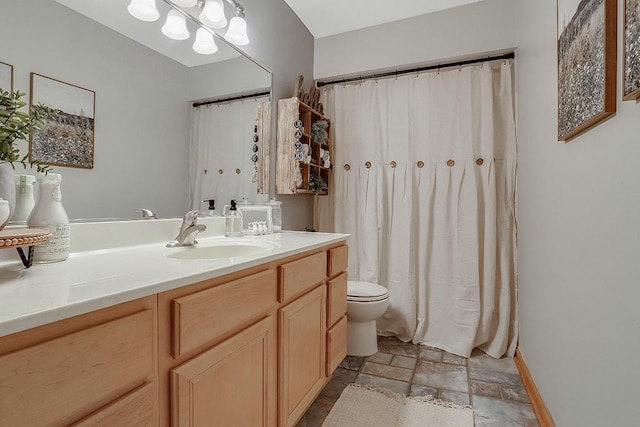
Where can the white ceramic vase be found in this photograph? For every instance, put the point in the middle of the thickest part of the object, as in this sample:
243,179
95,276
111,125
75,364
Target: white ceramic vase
8,186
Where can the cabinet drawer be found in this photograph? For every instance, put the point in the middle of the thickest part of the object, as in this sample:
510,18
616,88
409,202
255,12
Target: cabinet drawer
67,378
204,316
137,408
338,260
336,345
301,275
336,299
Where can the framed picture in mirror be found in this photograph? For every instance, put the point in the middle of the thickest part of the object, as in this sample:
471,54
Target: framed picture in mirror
586,36
631,87
6,77
68,138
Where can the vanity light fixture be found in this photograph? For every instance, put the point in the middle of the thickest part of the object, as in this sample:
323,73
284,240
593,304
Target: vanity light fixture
204,44
237,31
175,27
213,14
144,10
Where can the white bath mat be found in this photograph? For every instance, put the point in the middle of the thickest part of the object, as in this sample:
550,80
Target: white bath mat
365,406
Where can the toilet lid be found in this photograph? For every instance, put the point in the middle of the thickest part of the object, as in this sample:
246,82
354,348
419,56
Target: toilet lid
365,291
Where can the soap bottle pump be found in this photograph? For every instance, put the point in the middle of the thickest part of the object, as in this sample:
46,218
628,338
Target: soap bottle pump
211,210
233,222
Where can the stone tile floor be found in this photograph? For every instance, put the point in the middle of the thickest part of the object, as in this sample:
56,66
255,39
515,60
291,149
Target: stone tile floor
491,386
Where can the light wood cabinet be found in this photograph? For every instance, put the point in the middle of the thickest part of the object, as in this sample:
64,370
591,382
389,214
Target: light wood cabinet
92,369
302,354
232,384
252,348
294,139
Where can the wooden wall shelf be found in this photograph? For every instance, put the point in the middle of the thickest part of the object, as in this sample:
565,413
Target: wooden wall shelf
290,112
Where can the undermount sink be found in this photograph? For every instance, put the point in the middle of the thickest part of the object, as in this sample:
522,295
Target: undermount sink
223,249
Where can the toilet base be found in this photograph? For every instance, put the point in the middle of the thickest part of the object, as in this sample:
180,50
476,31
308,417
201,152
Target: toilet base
362,339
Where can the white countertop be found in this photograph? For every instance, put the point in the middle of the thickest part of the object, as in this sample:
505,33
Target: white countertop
94,279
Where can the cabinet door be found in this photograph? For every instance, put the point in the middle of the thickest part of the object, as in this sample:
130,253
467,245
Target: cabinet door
231,384
302,349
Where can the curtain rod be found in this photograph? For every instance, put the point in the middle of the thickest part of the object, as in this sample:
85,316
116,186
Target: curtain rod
510,55
234,98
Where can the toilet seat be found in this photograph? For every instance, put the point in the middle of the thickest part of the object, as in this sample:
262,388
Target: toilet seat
366,292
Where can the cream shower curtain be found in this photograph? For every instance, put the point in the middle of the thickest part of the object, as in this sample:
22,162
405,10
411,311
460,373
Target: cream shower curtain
428,198
221,140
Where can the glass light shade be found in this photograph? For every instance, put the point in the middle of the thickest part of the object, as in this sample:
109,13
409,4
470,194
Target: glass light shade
204,44
185,3
213,14
237,32
144,10
176,26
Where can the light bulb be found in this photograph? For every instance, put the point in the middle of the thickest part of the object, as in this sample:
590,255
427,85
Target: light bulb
237,32
144,10
204,44
176,27
213,14
185,3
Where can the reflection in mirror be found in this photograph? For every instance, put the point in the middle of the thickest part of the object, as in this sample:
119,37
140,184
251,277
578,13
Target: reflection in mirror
145,84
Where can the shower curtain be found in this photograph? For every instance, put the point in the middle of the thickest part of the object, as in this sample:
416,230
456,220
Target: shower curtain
424,181
220,165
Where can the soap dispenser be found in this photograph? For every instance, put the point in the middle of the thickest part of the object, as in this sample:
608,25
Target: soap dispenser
49,214
211,210
233,222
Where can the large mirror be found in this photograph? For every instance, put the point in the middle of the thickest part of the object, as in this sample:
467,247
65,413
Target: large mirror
146,86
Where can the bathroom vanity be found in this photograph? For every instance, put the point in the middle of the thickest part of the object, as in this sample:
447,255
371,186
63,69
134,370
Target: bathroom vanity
134,336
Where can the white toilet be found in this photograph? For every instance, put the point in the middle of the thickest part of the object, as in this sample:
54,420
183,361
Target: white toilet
365,303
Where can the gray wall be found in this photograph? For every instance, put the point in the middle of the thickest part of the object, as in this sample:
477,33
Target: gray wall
579,242
141,108
466,31
281,43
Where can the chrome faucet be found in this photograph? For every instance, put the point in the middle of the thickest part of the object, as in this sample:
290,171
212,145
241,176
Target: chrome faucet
188,231
146,213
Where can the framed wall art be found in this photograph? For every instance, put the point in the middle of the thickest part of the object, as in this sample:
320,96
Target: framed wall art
6,77
67,139
631,76
586,64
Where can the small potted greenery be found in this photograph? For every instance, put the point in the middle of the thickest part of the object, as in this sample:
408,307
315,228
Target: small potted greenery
317,184
319,132
16,125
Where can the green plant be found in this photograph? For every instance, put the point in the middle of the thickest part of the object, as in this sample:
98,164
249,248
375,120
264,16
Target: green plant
17,125
317,184
319,131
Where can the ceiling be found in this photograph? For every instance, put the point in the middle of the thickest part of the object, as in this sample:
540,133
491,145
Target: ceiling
329,17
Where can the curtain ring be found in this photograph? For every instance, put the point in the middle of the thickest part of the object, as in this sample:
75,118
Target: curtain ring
480,161
220,171
238,171
450,163
393,164
420,164
367,165
347,167
205,171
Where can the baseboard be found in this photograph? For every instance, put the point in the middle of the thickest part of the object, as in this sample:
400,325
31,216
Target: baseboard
540,409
